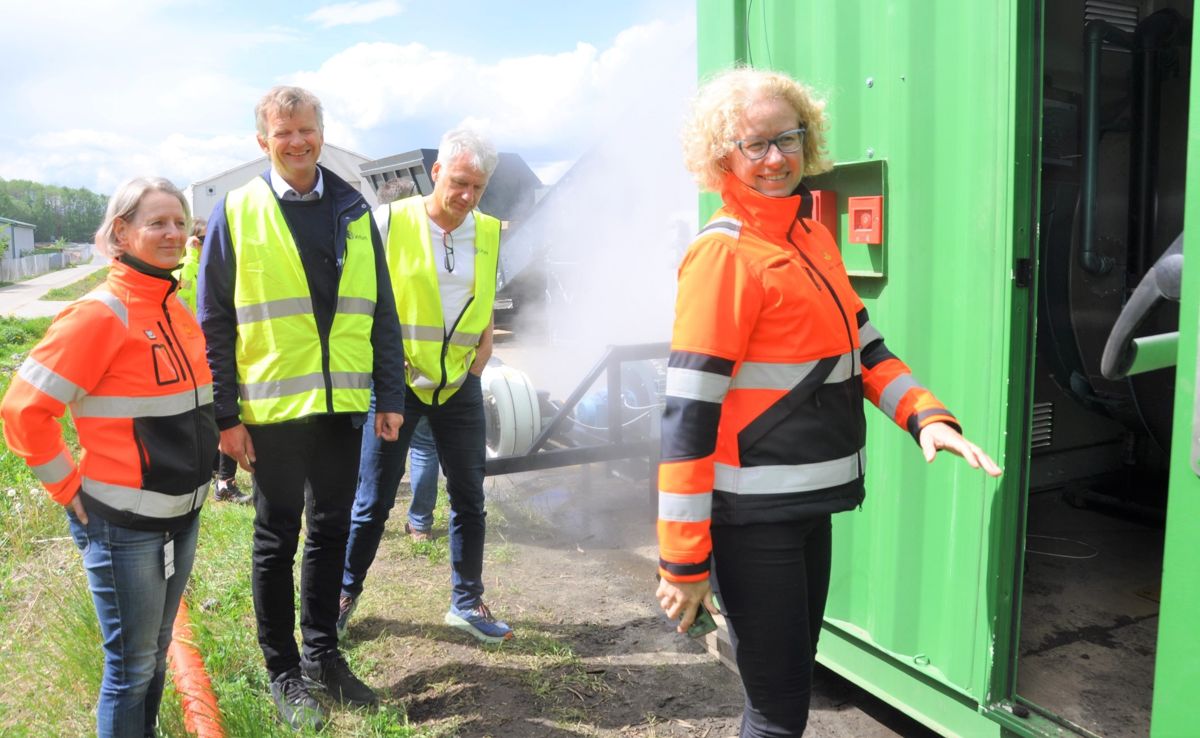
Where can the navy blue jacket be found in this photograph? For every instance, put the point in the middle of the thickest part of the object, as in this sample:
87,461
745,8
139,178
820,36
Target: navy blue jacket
218,318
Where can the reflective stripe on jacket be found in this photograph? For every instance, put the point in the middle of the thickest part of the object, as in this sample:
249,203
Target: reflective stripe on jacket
772,353
128,359
286,369
437,358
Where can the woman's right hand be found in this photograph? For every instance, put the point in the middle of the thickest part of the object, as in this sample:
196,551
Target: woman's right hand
683,599
76,506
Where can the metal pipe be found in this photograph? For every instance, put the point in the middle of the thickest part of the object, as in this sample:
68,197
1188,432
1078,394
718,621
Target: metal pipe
1095,33
1156,33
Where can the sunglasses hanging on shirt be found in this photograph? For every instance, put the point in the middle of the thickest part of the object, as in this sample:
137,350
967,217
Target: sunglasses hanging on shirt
448,245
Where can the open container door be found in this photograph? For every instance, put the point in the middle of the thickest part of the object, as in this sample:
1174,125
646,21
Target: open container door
933,109
1177,669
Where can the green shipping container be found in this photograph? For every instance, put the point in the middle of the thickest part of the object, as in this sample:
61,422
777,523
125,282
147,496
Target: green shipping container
1034,161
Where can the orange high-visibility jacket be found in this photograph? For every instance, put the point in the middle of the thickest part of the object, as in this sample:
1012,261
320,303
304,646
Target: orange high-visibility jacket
128,359
771,355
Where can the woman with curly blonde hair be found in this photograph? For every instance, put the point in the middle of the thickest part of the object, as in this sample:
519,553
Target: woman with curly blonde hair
772,355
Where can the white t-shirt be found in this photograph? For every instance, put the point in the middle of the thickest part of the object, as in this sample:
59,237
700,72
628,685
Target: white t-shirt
457,286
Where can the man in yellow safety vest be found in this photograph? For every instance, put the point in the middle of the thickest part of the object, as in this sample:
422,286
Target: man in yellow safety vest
298,312
442,255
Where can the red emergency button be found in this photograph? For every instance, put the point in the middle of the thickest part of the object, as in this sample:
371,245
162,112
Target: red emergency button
866,219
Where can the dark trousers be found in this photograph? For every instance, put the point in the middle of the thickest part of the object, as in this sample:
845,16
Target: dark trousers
308,468
773,580
458,432
224,466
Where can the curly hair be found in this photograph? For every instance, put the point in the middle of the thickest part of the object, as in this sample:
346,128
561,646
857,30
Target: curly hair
709,132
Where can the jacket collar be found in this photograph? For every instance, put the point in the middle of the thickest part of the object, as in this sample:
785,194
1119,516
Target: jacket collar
128,278
773,216
343,195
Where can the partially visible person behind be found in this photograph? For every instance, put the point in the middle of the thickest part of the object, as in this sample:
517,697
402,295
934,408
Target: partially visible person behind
128,360
189,266
763,433
297,308
442,255
422,451
224,466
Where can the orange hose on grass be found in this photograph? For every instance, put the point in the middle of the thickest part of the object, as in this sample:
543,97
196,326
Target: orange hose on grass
201,716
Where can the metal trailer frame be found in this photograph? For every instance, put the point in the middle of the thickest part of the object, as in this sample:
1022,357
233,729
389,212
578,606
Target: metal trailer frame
538,457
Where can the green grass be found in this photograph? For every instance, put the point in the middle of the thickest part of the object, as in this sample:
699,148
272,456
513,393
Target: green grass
75,290
50,642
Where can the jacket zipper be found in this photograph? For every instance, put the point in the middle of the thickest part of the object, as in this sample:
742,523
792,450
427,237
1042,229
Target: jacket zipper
339,236
841,311
200,463
446,349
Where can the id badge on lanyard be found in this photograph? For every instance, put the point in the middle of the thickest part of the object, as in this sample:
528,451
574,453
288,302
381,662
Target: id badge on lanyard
169,558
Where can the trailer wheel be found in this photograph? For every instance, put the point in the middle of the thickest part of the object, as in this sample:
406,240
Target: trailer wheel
510,404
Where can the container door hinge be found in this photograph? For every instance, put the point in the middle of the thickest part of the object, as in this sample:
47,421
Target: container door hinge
1023,272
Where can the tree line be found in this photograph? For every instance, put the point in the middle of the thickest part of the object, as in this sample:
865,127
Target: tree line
72,214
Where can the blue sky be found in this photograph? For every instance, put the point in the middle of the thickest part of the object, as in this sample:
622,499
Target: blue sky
95,91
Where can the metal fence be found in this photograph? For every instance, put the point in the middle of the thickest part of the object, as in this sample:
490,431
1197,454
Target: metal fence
14,270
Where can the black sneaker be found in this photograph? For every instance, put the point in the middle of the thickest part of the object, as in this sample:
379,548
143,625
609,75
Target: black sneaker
227,491
333,673
297,707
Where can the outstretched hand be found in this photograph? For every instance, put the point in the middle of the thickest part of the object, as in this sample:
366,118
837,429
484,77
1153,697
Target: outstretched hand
942,437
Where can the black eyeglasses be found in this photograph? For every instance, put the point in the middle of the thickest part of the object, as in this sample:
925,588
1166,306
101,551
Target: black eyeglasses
788,142
448,245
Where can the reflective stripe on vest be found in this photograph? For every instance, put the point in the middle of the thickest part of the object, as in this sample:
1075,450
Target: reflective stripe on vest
437,363
144,502
280,357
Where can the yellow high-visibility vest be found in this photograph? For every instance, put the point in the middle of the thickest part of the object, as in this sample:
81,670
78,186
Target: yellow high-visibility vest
437,359
284,370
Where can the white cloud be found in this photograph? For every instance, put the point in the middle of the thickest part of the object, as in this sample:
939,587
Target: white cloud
544,100
352,13
59,156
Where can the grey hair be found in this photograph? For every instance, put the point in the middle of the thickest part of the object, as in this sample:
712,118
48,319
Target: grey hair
124,204
474,144
284,99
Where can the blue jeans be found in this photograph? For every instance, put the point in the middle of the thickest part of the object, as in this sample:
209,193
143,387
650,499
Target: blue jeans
136,608
458,432
423,476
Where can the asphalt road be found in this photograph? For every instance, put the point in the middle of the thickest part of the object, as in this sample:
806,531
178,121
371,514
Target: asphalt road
24,299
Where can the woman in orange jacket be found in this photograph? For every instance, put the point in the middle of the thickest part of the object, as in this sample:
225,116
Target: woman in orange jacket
128,359
772,355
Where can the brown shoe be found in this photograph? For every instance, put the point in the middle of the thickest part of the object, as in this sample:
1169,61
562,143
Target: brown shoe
417,535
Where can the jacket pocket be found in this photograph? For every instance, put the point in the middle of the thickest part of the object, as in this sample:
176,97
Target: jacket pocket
166,370
177,451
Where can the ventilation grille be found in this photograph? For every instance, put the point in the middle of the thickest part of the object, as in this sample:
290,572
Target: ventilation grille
1123,15
1043,424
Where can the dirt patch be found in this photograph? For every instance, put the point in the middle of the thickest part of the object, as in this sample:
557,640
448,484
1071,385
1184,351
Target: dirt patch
570,564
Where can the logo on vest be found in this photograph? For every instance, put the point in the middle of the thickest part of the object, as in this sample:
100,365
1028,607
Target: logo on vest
150,335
